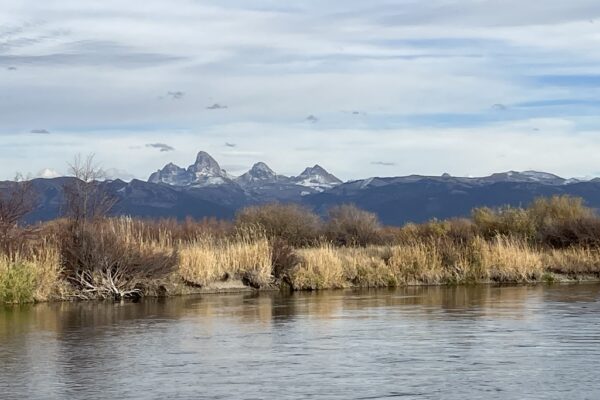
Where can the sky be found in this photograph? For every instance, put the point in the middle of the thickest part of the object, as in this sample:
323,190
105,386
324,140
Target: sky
363,88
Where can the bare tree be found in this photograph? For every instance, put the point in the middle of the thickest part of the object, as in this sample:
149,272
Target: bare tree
95,259
85,197
17,199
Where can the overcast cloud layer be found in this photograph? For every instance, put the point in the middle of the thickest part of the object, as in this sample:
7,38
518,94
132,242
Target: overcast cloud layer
363,88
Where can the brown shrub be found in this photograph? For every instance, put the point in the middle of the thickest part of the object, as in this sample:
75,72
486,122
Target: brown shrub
108,258
295,224
505,221
283,258
350,226
582,232
558,209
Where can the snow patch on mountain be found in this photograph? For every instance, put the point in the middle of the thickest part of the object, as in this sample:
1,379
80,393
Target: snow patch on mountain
260,173
204,172
317,178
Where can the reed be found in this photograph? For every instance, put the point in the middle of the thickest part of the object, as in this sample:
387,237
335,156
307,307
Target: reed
246,256
29,279
319,268
573,261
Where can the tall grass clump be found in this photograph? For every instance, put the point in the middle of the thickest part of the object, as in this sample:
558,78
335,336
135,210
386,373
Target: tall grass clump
506,259
573,261
417,262
319,268
17,280
208,259
368,266
32,278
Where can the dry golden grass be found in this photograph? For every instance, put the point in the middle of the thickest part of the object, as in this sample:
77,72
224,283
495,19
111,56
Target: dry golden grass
510,260
418,263
366,267
48,274
208,259
320,268
35,278
573,261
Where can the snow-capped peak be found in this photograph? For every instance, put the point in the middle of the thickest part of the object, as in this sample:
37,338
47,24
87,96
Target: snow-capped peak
542,176
261,169
206,166
317,178
259,173
204,172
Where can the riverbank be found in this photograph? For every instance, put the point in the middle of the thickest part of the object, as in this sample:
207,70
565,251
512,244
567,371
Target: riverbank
279,246
243,264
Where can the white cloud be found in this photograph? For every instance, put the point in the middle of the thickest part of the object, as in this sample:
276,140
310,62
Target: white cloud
554,145
47,173
92,73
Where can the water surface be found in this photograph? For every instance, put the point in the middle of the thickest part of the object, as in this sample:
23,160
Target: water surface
539,342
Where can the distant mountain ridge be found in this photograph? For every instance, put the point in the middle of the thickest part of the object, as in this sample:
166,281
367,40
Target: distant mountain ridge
206,171
204,189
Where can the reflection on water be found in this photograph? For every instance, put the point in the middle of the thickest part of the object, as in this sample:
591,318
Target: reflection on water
452,343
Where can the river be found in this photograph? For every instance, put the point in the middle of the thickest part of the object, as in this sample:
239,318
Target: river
480,342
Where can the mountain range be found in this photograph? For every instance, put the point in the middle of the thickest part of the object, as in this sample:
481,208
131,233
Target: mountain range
206,172
204,189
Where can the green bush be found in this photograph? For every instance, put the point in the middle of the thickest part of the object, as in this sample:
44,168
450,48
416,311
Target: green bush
17,281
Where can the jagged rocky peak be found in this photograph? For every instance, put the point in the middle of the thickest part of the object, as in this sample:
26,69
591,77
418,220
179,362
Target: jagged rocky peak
204,172
260,170
205,165
259,173
171,174
317,177
170,167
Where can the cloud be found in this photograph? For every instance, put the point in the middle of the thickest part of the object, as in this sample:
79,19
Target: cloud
82,53
312,119
499,107
216,106
48,173
161,146
424,71
116,173
241,153
11,68
227,144
383,163
176,95
40,131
